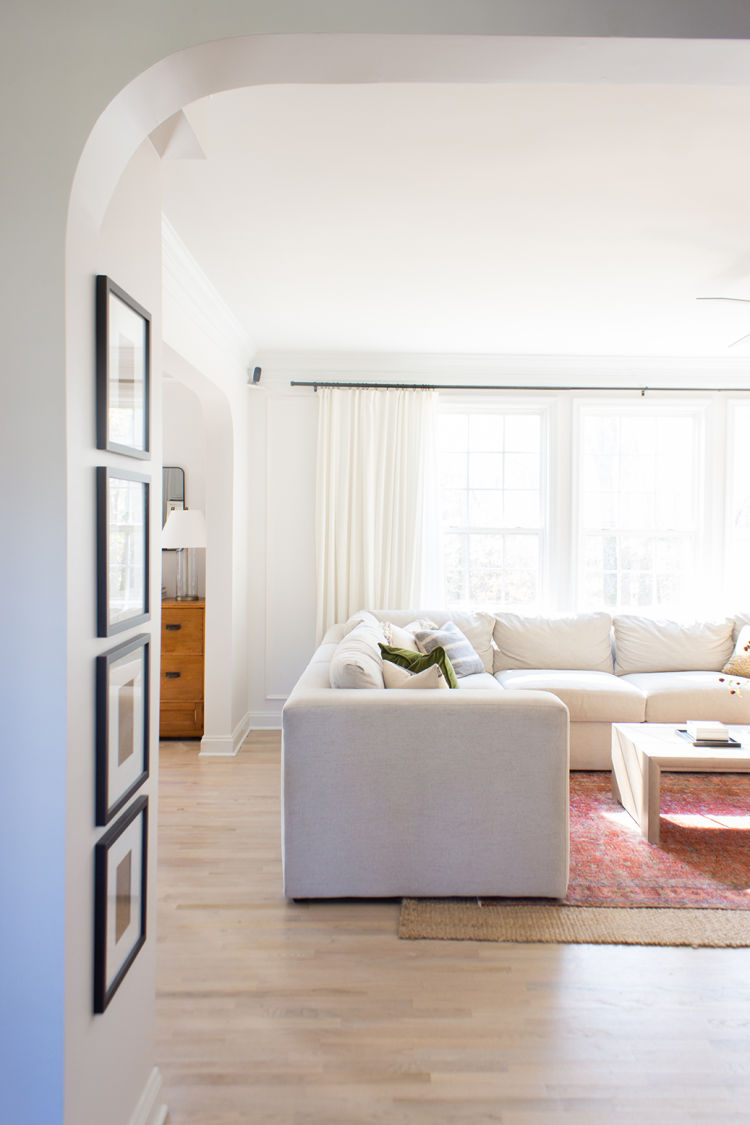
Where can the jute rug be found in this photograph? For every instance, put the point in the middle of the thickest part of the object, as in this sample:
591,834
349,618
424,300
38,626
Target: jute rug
469,920
693,888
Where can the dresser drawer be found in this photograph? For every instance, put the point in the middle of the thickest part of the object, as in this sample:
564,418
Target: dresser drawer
181,677
181,720
181,629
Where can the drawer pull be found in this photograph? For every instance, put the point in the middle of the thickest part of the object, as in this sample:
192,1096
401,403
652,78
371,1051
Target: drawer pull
172,628
172,675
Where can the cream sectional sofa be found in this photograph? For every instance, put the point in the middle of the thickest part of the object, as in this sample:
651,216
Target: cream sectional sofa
422,793
390,793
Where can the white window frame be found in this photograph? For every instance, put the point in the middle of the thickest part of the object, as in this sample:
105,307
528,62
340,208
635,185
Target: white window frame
541,406
664,406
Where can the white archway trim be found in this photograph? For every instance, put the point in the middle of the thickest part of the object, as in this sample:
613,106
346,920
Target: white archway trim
225,64
225,642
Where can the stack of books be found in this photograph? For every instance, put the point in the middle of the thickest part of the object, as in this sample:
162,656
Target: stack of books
706,732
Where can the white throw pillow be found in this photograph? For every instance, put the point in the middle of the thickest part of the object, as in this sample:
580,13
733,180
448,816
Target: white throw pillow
398,637
458,649
645,645
357,662
582,641
397,677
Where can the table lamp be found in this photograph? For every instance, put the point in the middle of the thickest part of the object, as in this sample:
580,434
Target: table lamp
184,532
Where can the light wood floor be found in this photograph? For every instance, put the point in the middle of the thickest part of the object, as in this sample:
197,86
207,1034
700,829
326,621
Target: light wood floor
318,1015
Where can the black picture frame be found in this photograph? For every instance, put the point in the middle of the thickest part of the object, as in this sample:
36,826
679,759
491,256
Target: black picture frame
122,546
122,725
123,371
120,890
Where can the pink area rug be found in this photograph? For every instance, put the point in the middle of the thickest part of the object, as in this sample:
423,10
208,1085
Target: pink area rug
701,861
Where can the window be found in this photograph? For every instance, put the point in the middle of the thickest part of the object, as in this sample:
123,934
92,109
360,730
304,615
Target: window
647,509
493,505
639,486
738,506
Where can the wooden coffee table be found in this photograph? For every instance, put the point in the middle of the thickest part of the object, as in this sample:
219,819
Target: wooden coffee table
641,751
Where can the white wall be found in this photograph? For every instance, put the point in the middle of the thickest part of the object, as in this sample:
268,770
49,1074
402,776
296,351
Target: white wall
61,70
100,1077
283,434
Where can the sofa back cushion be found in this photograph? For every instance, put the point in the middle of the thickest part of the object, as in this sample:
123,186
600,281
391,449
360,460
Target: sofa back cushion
476,626
356,661
581,641
646,645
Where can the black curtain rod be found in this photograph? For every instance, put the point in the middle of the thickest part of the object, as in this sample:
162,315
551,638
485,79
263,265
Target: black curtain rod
315,383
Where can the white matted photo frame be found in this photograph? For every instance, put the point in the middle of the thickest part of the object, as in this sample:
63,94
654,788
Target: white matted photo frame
120,867
123,371
122,543
122,725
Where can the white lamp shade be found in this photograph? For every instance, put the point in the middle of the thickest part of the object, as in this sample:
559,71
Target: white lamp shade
185,527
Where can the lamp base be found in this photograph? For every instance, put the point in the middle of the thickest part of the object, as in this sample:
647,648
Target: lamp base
187,583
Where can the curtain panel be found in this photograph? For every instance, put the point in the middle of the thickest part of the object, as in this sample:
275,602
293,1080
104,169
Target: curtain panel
376,500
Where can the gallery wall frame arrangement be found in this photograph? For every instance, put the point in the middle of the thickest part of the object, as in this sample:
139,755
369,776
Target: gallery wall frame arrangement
123,371
120,878
122,547
122,725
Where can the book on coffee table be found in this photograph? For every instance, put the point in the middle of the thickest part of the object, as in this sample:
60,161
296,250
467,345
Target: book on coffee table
708,742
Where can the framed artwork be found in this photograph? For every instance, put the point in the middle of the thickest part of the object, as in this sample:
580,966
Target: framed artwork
120,866
122,725
123,371
122,505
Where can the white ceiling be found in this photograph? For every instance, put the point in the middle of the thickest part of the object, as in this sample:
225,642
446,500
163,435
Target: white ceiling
488,219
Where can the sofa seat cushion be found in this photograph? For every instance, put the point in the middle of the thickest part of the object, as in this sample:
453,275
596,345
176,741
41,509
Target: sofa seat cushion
589,696
479,680
675,697
580,641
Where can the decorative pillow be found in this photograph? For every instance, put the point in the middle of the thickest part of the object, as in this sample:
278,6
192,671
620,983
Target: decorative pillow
418,661
462,656
645,645
398,637
397,677
477,628
581,641
357,663
739,663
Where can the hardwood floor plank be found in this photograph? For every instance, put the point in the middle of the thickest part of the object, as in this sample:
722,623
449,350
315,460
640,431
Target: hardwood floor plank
316,1014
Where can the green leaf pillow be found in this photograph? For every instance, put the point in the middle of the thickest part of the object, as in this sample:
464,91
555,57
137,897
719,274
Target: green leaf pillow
418,661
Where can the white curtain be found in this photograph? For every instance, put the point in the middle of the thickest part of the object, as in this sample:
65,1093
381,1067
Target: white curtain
377,522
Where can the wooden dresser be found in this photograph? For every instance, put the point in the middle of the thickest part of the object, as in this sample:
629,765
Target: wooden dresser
182,669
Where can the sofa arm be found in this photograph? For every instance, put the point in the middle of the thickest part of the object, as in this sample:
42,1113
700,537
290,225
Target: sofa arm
415,792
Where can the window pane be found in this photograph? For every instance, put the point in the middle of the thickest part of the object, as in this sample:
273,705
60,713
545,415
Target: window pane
492,485
522,509
452,432
453,470
523,433
486,508
638,507
522,470
486,432
486,470
454,507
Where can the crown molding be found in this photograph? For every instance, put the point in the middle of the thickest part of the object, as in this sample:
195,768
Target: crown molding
188,294
553,371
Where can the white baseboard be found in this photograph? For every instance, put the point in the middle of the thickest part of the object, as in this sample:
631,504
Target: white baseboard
226,745
150,1109
265,720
